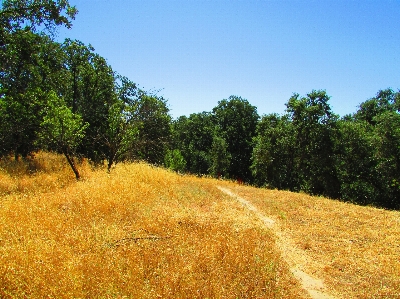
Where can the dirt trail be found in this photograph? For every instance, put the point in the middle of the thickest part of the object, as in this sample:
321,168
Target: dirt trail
295,257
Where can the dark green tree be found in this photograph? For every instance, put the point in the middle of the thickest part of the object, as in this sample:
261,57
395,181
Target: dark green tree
121,133
236,121
193,136
155,133
355,162
138,125
91,91
29,67
385,100
374,180
314,125
34,67
220,157
116,138
387,155
35,14
273,154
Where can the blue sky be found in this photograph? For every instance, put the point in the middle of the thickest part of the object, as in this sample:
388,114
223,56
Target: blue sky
202,51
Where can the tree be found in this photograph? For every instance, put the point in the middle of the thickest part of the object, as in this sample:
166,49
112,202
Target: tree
138,125
220,157
385,100
33,68
32,14
121,133
273,156
78,63
155,133
91,91
193,136
174,160
26,17
367,152
378,179
18,124
62,129
29,67
387,155
236,122
355,162
314,125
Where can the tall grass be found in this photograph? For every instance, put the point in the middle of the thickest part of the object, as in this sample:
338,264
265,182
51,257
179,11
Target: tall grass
139,232
42,173
354,249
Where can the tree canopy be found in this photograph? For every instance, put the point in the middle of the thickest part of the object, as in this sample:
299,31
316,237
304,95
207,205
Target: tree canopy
355,158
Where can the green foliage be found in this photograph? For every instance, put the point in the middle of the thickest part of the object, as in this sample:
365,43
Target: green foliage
385,100
174,160
314,125
220,157
31,68
193,136
387,155
62,129
17,14
91,92
273,156
236,121
381,113
155,134
121,132
355,162
309,149
65,97
19,124
145,119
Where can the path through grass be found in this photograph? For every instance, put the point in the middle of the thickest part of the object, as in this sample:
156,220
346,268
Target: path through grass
355,250
139,232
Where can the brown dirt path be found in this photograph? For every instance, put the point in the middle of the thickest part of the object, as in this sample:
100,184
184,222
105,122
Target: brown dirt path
295,257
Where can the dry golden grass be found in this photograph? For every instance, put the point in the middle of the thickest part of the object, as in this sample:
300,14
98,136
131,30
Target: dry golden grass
356,250
139,232
46,172
145,232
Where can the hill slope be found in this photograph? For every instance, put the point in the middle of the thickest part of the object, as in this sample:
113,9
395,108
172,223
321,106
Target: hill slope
145,232
354,250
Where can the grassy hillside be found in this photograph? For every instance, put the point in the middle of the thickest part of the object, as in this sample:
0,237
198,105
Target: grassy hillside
139,232
145,232
355,250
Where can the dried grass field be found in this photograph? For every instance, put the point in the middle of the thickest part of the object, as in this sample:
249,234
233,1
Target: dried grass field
354,250
146,232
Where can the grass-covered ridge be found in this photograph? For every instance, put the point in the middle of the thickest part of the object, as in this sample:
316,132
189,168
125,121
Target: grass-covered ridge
139,232
353,249
146,232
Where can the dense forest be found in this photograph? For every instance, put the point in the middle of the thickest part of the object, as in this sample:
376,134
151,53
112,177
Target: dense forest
64,97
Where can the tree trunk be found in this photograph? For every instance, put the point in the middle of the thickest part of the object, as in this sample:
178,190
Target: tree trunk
110,161
71,162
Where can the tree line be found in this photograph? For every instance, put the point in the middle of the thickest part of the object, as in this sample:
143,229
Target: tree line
308,149
64,97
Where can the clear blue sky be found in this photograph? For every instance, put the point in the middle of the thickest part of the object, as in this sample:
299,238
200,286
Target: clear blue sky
202,51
